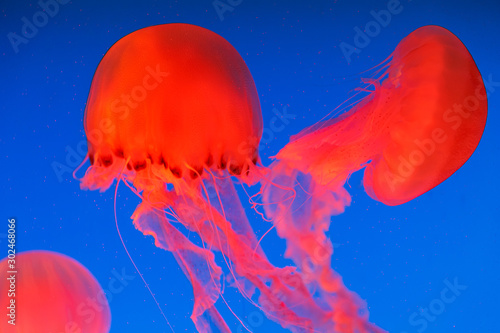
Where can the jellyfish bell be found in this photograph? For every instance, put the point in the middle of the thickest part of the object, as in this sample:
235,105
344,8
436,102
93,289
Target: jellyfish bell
437,89
421,123
171,99
52,293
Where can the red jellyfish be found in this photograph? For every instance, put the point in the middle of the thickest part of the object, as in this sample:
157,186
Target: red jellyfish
49,292
173,112
422,119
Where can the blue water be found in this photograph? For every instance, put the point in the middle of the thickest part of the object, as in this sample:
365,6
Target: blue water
399,259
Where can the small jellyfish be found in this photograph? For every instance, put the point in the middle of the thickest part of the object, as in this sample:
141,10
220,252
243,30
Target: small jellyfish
49,292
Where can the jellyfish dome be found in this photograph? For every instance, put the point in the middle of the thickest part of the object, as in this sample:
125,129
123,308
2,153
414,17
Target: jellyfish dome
171,99
421,123
52,293
173,112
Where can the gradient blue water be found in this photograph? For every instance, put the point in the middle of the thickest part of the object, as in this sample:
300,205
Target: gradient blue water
397,258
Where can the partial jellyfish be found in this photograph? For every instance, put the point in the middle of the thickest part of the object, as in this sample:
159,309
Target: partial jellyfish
421,118
52,293
174,113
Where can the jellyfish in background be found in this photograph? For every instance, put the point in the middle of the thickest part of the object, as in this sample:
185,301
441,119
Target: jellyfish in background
422,119
53,293
173,112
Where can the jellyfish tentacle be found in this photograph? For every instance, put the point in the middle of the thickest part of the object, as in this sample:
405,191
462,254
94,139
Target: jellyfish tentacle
304,227
197,264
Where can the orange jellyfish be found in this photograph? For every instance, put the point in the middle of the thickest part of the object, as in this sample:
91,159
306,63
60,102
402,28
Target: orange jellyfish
49,292
421,120
173,112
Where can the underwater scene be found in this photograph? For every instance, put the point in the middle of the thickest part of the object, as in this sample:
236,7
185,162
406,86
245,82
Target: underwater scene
249,166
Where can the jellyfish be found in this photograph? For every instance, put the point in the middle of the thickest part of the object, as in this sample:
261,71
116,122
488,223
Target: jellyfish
421,117
174,114
49,292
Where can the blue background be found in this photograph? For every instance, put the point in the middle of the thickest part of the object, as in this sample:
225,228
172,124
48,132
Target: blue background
397,258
